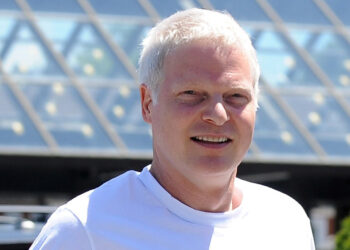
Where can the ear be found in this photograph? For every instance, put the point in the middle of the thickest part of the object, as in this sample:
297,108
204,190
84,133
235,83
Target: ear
146,103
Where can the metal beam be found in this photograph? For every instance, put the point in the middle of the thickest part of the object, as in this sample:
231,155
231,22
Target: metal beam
118,51
313,143
315,68
151,11
28,108
206,4
105,124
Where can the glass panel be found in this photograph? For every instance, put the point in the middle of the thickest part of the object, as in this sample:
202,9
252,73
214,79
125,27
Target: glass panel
166,8
8,5
341,9
325,119
330,51
16,129
247,10
6,30
281,66
115,7
90,57
129,36
274,134
299,11
25,54
66,116
121,105
67,6
59,31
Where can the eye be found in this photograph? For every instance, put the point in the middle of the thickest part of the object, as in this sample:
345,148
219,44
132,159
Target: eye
189,92
238,99
190,97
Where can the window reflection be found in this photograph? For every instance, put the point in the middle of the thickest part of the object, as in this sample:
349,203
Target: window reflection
16,129
341,9
112,7
274,133
294,12
84,49
26,55
66,116
247,10
281,65
128,36
167,7
121,105
324,118
65,6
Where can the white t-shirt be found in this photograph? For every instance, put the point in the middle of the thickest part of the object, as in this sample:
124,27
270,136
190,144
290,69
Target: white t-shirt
133,211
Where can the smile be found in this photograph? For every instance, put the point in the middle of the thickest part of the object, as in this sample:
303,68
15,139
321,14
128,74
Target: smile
211,139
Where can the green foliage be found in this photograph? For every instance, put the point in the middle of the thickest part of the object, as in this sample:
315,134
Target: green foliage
342,239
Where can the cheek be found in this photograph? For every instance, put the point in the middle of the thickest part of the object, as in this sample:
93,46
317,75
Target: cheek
247,120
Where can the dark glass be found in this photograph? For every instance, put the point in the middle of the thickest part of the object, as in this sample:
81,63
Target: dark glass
280,65
299,11
66,116
341,9
90,56
25,54
16,128
166,8
121,105
274,133
65,6
115,7
325,119
8,5
247,10
128,36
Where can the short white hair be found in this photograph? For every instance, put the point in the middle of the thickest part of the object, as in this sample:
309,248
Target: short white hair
184,27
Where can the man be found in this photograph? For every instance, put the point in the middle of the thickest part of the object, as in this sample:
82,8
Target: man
199,89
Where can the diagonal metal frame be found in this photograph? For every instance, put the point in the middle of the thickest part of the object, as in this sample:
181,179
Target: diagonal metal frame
324,79
206,4
301,128
118,51
315,68
334,19
68,44
11,37
105,124
28,108
150,10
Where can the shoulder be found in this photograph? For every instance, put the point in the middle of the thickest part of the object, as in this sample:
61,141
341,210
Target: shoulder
72,222
275,213
112,194
266,198
63,230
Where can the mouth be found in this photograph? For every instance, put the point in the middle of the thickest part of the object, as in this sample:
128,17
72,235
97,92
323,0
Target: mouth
211,139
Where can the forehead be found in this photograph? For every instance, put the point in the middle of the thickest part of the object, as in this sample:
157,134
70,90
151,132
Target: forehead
207,60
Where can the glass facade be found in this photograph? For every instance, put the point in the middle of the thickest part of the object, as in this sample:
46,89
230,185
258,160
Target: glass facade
68,77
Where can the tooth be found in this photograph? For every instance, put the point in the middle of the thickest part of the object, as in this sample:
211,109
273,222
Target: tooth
211,139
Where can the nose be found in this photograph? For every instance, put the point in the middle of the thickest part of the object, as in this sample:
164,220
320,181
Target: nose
216,113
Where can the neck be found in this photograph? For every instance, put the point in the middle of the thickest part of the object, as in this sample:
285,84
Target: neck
218,194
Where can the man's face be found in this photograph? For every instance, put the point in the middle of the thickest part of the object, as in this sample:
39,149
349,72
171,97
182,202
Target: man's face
204,117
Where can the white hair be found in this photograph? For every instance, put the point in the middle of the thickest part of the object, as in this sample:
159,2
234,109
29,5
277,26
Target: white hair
184,27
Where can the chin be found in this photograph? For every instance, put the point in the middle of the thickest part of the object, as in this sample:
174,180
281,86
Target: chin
214,166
